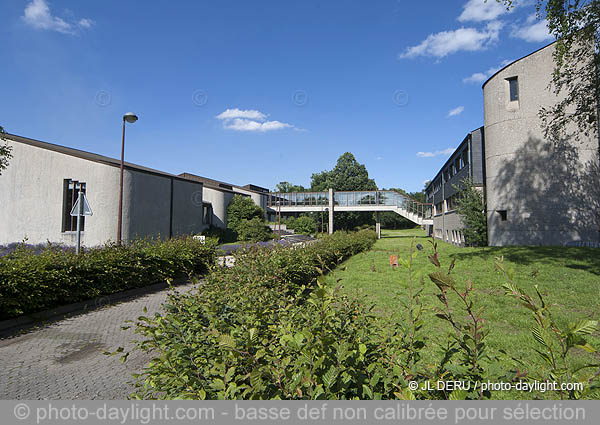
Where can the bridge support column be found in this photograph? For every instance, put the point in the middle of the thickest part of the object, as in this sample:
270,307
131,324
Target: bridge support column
378,225
330,211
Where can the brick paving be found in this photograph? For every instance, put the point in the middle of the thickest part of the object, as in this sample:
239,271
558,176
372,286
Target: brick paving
65,360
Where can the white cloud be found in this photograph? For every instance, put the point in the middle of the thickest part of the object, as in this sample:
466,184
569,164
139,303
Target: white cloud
532,31
456,111
85,23
448,42
480,77
447,151
250,114
481,10
37,14
250,120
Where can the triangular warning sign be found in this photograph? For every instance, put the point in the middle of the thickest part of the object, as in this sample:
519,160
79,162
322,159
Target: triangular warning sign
86,210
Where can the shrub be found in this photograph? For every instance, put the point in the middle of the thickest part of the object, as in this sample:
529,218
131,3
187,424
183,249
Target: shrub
471,208
259,331
305,226
222,235
32,282
254,230
242,208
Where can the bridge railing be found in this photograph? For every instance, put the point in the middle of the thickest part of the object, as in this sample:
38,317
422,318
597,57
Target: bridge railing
351,199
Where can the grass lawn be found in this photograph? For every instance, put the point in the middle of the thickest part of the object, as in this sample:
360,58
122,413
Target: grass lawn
568,277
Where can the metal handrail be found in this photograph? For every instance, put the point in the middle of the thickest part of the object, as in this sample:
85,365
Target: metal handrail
348,198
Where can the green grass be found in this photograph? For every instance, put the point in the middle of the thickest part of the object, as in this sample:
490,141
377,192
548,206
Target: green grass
568,277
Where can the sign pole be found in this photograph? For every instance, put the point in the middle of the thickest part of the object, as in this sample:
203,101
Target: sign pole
79,214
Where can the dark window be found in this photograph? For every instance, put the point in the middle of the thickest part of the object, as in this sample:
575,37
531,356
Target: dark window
457,164
71,190
207,214
502,215
465,157
513,86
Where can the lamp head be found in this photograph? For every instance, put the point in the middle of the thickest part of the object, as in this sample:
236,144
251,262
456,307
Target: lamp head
130,117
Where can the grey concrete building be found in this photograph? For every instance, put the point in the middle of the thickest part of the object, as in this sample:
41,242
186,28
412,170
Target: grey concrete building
217,195
38,189
538,192
442,192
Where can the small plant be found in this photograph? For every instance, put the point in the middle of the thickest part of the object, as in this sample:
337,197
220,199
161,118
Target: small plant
468,333
556,342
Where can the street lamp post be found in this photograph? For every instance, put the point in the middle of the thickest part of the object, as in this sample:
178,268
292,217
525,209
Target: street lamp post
130,117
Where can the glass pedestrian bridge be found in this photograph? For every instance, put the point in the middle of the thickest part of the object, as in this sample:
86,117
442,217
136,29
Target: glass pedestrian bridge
376,200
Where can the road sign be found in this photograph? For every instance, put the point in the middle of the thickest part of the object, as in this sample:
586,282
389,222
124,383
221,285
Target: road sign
82,210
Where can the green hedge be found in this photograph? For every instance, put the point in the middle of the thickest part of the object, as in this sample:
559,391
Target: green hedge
263,329
32,282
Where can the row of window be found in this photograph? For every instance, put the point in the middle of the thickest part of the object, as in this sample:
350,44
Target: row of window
452,236
460,162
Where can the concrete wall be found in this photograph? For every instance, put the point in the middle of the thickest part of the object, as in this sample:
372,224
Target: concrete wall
187,208
147,206
219,200
31,200
31,197
544,189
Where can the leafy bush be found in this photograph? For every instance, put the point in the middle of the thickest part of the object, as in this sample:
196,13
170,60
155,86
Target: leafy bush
222,235
305,226
254,230
31,282
242,208
471,208
259,330
268,329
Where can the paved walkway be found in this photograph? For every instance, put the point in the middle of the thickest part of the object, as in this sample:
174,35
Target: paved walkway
65,360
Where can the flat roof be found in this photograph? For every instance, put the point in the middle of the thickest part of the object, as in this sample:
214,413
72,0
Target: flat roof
88,156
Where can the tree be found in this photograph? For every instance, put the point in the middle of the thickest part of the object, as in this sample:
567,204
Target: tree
5,152
305,225
575,25
471,209
287,187
242,208
348,174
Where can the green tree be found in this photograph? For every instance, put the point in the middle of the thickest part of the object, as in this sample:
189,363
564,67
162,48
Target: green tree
471,209
287,187
575,25
348,174
305,225
242,208
5,152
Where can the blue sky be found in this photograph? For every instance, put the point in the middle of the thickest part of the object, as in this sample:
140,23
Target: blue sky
259,92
